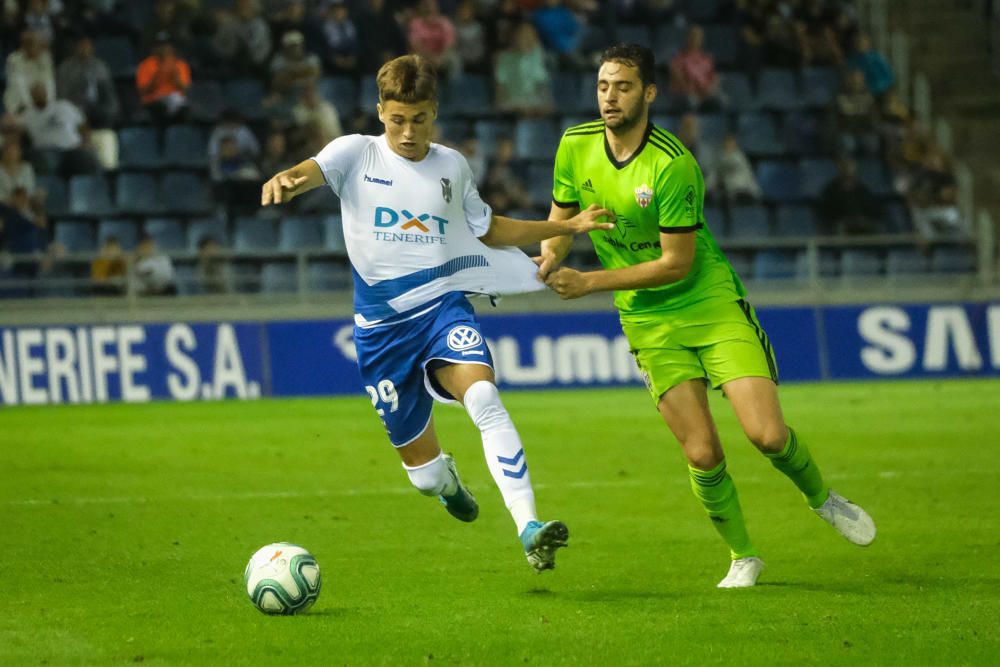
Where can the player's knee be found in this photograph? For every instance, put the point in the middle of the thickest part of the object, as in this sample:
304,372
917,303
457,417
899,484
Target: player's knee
430,478
702,453
482,401
768,438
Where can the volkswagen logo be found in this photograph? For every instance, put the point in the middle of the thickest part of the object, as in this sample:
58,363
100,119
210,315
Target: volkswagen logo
463,338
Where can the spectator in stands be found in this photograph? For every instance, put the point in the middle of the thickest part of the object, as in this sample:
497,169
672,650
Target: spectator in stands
59,134
751,17
340,37
169,17
244,38
879,76
731,176
560,30
154,271
523,83
470,37
816,25
25,225
41,16
505,188
16,173
690,136
784,42
933,199
292,71
163,80
313,109
232,157
469,148
431,34
856,116
212,270
894,117
84,80
693,80
109,271
276,156
380,36
26,67
846,206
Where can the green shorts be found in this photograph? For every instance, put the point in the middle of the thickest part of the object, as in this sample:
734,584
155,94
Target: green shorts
715,342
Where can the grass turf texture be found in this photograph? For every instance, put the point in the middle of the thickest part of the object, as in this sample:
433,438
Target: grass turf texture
127,528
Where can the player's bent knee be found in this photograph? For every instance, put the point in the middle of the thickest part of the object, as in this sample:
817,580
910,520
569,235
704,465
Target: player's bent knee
703,455
769,439
431,478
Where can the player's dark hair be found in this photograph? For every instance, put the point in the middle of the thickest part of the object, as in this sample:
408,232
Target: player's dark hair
408,79
633,55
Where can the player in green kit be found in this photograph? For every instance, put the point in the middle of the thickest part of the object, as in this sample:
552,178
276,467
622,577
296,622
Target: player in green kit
682,307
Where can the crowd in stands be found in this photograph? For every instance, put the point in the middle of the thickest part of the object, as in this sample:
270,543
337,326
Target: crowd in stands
154,122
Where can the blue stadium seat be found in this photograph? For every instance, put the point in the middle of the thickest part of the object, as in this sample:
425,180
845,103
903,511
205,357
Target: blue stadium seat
126,231
816,175
185,193
246,95
741,261
298,232
469,95
540,185
819,86
736,87
118,54
206,228
759,134
778,89
317,201
829,264
906,262
636,34
862,262
669,39
327,276
138,148
206,100
167,232
368,97
714,127
872,172
779,181
341,91
716,219
953,259
136,193
669,122
489,132
749,222
724,42
897,217
803,132
774,265
76,235
246,277
794,220
279,278
89,195
333,236
185,146
453,130
536,139
571,95
57,195
252,233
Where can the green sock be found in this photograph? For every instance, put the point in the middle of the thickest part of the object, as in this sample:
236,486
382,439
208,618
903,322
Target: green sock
717,493
798,465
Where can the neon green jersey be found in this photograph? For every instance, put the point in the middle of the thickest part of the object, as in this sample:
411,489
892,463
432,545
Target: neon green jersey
659,189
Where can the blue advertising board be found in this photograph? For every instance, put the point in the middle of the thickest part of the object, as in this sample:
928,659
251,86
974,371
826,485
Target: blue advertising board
246,360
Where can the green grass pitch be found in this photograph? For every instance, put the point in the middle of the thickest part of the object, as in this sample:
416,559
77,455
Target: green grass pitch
126,530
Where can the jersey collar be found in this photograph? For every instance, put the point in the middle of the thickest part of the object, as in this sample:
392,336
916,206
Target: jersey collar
611,156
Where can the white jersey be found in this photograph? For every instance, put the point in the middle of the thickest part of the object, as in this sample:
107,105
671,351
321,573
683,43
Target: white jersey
412,229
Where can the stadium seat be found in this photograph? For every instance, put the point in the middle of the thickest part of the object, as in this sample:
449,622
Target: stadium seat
252,234
759,134
871,172
136,193
897,217
246,276
246,95
185,146
819,86
298,232
774,265
76,235
89,195
206,228
723,41
489,132
779,181
326,276
368,97
669,122
572,94
535,139
736,87
716,219
126,231
138,148
906,263
469,95
635,34
953,259
342,92
333,235
186,279
669,40
118,54
279,278
741,261
452,130
792,220
540,185
167,232
57,196
803,132
714,128
777,89
206,101
829,264
816,175
185,193
749,222
863,262
317,201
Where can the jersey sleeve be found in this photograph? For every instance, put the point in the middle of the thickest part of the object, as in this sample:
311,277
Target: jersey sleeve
676,196
478,214
564,193
337,158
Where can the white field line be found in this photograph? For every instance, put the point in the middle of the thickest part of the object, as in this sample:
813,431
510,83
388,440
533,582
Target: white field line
401,489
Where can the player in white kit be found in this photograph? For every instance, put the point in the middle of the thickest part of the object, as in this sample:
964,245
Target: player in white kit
419,240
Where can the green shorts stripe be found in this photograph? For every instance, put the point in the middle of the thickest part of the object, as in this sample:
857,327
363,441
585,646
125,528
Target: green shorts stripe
762,336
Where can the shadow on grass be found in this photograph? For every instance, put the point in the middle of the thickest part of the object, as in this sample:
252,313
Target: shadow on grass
602,595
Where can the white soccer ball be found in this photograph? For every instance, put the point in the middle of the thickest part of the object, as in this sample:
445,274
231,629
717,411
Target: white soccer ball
282,578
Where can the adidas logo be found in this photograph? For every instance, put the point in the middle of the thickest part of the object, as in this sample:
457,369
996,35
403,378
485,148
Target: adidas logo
587,186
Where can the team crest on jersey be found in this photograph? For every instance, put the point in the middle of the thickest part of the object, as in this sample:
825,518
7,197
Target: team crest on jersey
643,195
446,190
463,338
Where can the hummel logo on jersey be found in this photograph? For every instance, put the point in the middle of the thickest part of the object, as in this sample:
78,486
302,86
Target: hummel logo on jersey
587,186
377,181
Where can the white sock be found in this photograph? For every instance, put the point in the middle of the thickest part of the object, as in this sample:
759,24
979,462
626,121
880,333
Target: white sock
433,478
503,450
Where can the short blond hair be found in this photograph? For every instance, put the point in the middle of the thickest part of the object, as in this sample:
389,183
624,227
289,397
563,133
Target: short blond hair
408,79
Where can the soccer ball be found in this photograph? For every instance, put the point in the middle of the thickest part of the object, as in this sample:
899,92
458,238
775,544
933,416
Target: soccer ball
282,578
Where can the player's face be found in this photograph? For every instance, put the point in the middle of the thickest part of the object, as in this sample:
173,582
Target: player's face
623,100
408,127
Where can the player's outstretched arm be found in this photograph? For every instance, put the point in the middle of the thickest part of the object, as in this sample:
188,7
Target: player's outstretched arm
286,185
673,265
508,231
555,249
